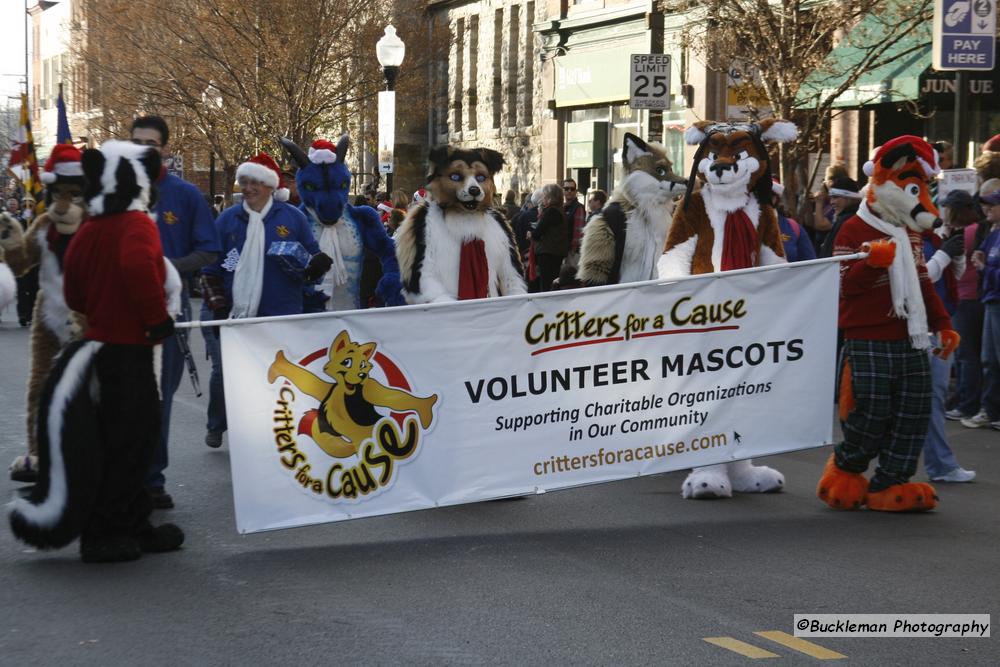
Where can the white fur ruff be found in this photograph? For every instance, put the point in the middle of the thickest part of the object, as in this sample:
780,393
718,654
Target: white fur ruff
444,236
647,224
48,513
55,313
904,281
8,286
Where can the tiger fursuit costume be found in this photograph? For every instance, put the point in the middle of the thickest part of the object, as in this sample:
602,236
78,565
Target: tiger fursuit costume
623,242
455,246
43,245
728,224
888,308
99,411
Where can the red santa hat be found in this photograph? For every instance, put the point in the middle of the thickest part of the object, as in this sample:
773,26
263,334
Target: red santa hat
420,196
926,155
776,187
322,151
63,162
263,168
992,144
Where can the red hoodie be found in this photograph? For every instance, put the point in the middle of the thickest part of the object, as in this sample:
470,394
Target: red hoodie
114,275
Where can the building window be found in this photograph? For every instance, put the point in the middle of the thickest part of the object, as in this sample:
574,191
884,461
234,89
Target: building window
529,66
458,73
513,64
473,71
497,67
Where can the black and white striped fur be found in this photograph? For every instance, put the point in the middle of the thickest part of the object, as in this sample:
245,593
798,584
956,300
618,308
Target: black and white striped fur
120,177
69,461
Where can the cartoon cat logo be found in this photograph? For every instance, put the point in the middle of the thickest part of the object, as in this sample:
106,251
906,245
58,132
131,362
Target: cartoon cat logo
347,417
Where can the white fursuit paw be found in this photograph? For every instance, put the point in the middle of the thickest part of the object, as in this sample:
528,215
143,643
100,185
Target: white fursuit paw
708,482
748,478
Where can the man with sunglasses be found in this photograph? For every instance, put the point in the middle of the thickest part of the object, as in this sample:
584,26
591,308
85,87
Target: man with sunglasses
576,218
190,242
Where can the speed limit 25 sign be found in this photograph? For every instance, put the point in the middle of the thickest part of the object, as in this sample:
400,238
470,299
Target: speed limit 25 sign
650,77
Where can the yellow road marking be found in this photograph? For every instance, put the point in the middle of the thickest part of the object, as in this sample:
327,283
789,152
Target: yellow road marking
801,645
735,645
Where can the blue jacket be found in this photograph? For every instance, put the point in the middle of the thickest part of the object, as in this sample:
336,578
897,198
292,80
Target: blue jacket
796,242
282,293
991,273
183,218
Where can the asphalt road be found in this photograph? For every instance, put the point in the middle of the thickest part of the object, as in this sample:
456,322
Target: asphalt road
621,573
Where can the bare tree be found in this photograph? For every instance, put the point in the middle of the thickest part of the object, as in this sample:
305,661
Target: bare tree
231,75
789,44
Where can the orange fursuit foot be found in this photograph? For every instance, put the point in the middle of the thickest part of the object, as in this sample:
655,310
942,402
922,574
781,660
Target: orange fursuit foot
909,497
840,489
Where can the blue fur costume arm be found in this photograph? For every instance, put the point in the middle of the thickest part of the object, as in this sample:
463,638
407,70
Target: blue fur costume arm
375,238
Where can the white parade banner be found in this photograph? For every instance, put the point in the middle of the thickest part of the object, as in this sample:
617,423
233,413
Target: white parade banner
337,416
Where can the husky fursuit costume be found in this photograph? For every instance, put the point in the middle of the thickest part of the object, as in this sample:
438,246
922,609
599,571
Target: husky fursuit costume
455,246
728,224
888,307
623,242
44,245
344,232
99,414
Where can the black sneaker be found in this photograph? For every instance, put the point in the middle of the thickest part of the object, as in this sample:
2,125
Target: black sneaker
214,439
161,499
159,539
109,549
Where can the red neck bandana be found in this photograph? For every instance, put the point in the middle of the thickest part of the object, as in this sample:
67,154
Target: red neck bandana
740,245
473,271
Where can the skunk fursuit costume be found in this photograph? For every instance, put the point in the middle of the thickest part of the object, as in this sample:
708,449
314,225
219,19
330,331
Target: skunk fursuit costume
43,245
728,224
455,247
99,414
623,242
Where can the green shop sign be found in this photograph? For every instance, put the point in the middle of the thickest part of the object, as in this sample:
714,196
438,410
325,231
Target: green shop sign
595,77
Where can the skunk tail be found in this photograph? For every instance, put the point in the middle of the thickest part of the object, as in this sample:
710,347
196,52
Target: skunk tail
69,460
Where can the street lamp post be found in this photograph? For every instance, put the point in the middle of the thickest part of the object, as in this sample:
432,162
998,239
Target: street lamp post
390,51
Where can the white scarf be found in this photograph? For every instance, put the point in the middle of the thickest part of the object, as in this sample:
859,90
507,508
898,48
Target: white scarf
904,282
329,244
248,281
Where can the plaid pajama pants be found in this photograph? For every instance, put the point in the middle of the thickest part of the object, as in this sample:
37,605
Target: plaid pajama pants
892,395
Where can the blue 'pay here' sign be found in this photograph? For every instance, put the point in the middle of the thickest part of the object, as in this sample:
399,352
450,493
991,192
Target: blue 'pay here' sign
964,34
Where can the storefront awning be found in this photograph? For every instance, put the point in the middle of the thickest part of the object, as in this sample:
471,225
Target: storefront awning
895,81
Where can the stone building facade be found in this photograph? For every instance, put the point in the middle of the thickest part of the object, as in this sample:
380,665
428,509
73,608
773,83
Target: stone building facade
486,88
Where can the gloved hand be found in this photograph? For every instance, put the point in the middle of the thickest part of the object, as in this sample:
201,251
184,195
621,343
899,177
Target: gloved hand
949,341
213,291
389,290
880,253
954,245
11,235
158,332
318,265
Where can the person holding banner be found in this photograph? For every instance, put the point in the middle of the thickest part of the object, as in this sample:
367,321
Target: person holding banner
269,254
185,224
728,225
888,309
